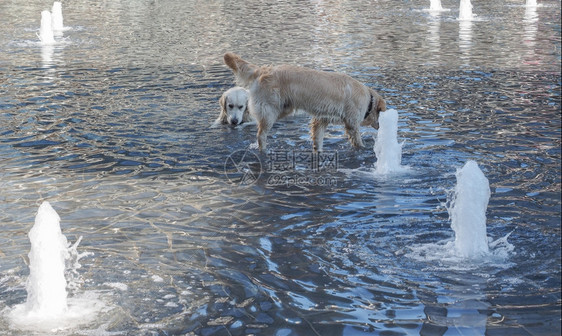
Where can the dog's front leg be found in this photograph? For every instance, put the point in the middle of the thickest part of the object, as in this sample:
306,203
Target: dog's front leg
354,135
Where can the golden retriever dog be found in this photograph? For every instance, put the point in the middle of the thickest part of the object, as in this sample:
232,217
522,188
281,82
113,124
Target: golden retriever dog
234,108
277,91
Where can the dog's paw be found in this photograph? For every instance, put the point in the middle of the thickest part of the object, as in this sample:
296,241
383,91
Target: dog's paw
254,145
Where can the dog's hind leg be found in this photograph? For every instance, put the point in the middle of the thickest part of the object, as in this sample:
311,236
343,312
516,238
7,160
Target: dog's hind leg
264,125
317,129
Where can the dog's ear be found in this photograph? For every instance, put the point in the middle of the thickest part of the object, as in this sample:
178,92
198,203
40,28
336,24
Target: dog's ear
223,114
379,107
381,104
222,102
373,118
246,115
232,61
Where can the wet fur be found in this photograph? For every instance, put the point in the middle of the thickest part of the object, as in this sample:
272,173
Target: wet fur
276,91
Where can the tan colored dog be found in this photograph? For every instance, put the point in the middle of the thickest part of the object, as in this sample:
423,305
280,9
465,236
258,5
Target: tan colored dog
276,91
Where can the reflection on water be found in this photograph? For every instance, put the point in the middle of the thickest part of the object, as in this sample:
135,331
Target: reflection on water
111,126
47,55
530,21
465,39
434,27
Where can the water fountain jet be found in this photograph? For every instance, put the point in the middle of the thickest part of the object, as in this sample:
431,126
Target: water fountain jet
56,18
435,5
46,34
468,211
46,285
471,247
465,10
47,307
387,149
435,8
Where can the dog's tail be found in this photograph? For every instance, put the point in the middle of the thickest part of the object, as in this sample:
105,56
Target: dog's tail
233,61
244,72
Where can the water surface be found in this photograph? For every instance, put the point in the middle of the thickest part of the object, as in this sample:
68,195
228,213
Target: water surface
111,126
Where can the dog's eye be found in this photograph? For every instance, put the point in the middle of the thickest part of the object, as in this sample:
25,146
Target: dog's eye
230,105
241,106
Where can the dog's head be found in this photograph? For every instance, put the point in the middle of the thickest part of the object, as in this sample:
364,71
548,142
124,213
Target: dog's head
377,105
234,106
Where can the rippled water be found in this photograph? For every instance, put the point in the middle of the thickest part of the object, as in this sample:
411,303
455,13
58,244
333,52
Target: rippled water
111,126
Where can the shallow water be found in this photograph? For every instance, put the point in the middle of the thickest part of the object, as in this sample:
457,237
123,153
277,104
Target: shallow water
110,125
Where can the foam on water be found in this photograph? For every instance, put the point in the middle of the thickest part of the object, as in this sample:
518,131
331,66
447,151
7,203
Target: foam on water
387,149
442,255
48,308
46,34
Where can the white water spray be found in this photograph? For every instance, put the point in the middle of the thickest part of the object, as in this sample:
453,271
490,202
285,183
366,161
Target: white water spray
435,8
531,3
471,246
56,18
435,5
465,10
47,308
387,149
468,211
46,34
46,286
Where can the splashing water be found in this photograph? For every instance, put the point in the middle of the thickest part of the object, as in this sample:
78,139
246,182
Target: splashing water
465,10
46,34
46,286
435,8
471,246
47,308
387,149
468,211
531,3
56,18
